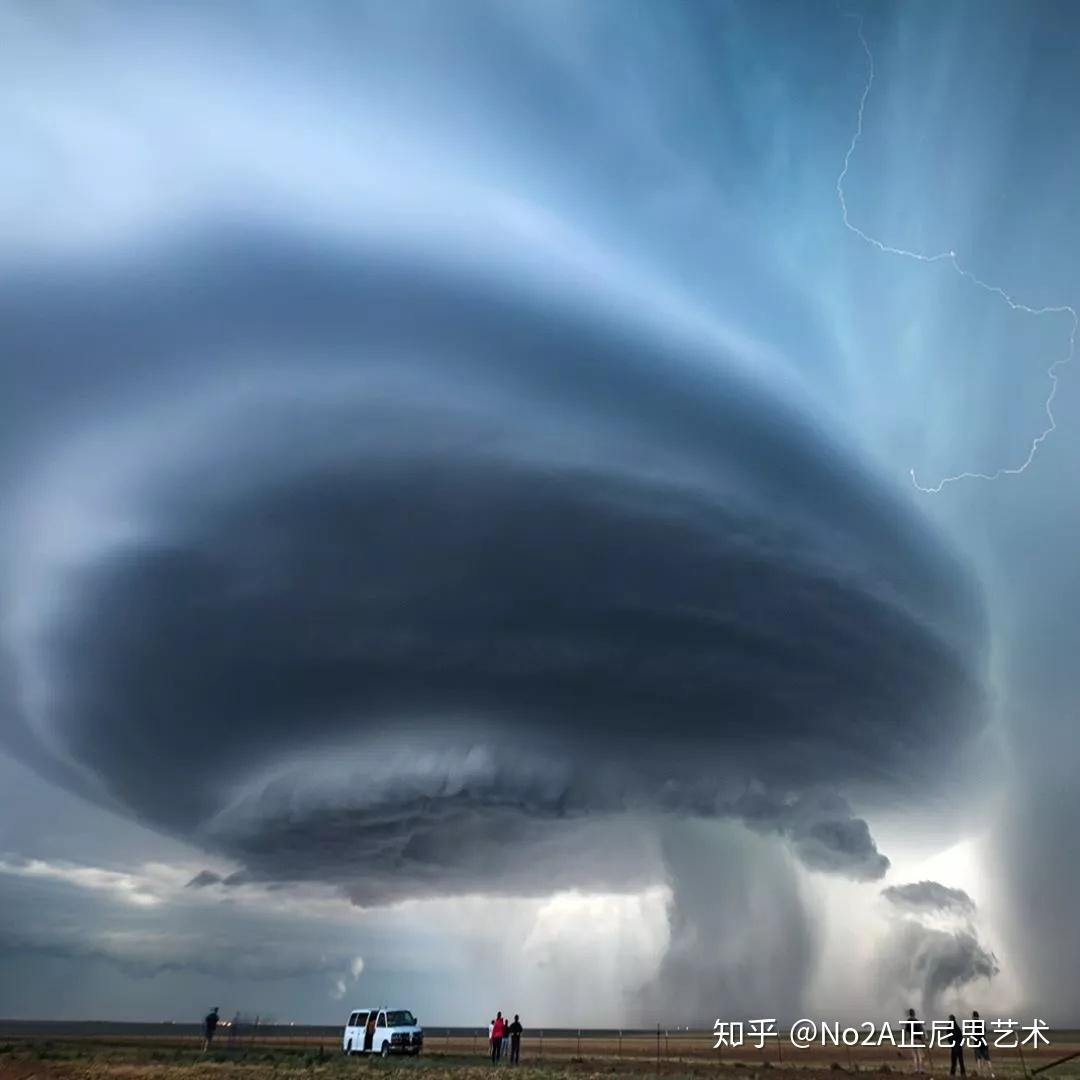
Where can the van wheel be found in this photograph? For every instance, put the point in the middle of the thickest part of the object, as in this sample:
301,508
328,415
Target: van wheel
348,1047
385,1052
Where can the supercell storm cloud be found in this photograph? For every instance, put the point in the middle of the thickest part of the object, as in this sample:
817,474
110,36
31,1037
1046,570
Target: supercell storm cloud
457,454
405,561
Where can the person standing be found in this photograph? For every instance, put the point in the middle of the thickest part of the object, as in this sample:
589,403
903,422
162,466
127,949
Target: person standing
515,1040
956,1047
505,1049
497,1026
915,1037
210,1024
982,1047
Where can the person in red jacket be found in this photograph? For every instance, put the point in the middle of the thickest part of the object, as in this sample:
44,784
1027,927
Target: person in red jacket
498,1027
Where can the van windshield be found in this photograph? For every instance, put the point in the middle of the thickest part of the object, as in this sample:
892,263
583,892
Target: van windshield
400,1018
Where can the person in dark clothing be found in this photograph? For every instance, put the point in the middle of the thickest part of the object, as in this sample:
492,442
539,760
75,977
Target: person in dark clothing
956,1047
982,1048
209,1027
515,1040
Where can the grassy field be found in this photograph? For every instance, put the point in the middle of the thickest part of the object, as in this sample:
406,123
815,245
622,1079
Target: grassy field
455,1057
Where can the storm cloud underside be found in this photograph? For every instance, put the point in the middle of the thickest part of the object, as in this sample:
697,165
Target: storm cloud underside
465,568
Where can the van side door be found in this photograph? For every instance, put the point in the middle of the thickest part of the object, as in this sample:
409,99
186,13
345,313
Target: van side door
358,1038
349,1041
381,1034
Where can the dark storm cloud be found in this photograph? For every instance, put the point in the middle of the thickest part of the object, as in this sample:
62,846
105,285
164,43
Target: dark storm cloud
145,942
204,878
929,896
821,828
421,561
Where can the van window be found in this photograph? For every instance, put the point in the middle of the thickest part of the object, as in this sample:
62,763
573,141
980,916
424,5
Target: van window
361,1019
382,1019
402,1018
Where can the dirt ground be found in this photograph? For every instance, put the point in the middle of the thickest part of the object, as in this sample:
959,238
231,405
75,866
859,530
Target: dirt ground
450,1057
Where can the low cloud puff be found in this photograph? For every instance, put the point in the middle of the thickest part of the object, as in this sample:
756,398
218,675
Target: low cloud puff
929,896
933,946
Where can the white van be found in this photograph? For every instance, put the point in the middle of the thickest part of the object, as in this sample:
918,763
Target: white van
382,1031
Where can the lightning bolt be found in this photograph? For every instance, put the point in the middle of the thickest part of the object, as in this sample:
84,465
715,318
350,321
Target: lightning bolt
951,258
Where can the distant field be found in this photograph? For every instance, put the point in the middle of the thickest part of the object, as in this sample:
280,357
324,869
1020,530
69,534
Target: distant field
125,1053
